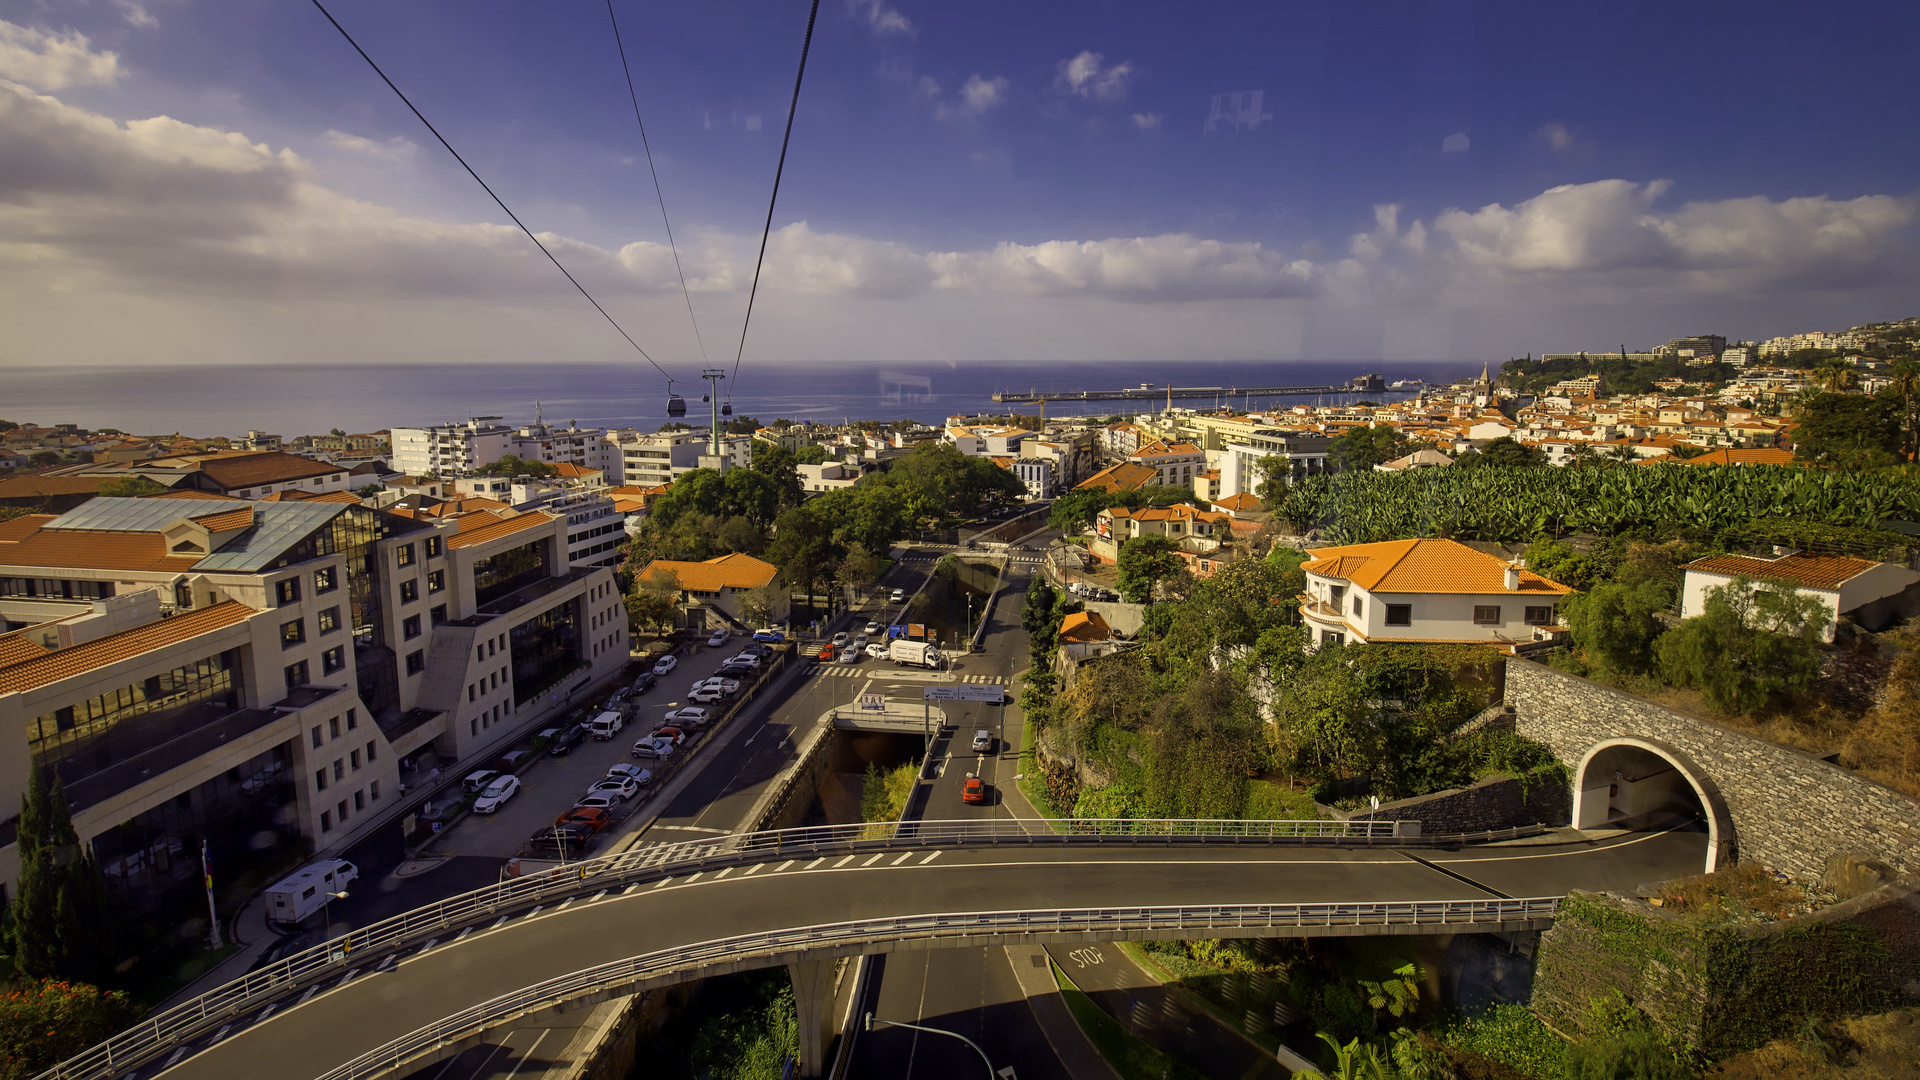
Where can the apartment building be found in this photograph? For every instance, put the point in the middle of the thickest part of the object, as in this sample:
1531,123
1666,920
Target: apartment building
463,449
252,673
242,474
1174,464
1037,474
987,441
1305,454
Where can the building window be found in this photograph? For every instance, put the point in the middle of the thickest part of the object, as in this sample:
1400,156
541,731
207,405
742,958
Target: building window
1539,616
409,590
410,627
479,652
287,591
324,580
416,662
296,674
328,620
1399,614
326,821
403,555
433,547
373,791
293,633
354,759
353,719
436,580
320,779
372,754
1357,608
333,727
437,614
1486,615
333,660
341,809
339,768
1328,637
318,739
470,692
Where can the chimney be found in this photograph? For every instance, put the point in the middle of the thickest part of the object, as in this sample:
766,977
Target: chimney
1513,578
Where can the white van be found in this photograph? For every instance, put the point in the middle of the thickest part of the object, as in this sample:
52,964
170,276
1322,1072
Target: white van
308,889
606,725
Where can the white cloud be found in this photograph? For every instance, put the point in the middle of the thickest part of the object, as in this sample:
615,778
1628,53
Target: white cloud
880,18
1558,138
1084,76
927,87
397,148
51,60
137,14
1148,121
1169,267
977,95
1456,143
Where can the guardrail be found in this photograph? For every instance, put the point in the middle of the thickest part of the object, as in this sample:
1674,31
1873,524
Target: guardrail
672,965
170,1028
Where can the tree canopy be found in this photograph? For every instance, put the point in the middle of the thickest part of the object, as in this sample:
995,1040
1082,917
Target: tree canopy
513,465
1850,430
1144,561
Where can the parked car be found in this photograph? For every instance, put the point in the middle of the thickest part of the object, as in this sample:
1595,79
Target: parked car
735,671
983,741
840,638
644,682
749,659
512,761
622,787
762,651
897,596
720,683
708,695
849,655
563,743
283,946
496,794
877,651
593,817
827,653
717,639
599,800
635,773
676,735
665,665
872,627
771,636
569,838
974,791
619,696
654,748
606,725
476,782
688,716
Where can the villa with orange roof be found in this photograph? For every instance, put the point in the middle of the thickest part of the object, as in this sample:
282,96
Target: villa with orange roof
1874,594
1425,591
711,591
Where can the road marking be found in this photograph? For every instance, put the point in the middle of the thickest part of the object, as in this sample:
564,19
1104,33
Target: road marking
843,861
723,873
930,858
528,1056
308,994
563,906
659,883
464,933
266,1012
694,828
598,895
901,859
498,921
815,863
427,946
695,877
222,1033
873,860
630,888
345,979
783,866
757,867
385,964
537,909
177,1055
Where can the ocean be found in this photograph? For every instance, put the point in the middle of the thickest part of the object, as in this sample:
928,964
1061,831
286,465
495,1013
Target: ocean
289,401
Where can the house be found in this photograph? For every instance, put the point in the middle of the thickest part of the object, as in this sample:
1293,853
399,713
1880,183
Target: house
1758,456
1120,524
1114,479
1239,506
1424,590
715,587
1419,459
1085,636
1174,464
1874,594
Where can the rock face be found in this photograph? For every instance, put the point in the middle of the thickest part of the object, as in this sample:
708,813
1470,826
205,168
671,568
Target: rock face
1087,773
1848,876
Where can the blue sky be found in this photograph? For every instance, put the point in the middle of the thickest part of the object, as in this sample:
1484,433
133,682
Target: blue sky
1443,180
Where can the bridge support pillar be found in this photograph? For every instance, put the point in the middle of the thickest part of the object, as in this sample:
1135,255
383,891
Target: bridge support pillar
813,996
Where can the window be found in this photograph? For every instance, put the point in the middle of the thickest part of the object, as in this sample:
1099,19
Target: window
326,821
318,741
328,620
409,590
287,591
320,779
479,652
339,768
324,580
470,692
1486,615
293,633
1356,608
436,580
403,555
490,648
473,726
1399,614
341,809
372,753
1328,637
416,662
433,547
353,719
354,757
296,674
373,791
410,627
1337,596
437,614
333,728
1539,616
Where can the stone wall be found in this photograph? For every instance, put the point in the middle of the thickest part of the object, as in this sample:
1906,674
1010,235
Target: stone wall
1788,810
1498,802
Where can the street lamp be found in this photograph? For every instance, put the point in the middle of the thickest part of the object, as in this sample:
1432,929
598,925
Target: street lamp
326,912
991,1075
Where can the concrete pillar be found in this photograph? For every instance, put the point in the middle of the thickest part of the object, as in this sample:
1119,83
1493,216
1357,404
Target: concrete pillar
813,986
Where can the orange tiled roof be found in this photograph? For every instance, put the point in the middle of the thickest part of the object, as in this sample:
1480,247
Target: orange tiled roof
1811,571
1423,566
474,531
1176,512
86,549
248,469
1084,627
239,517
568,468
16,648
184,493
1126,476
735,571
1757,456
124,645
1235,504
32,487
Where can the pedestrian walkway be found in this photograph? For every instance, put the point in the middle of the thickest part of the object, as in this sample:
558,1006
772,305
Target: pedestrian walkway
853,671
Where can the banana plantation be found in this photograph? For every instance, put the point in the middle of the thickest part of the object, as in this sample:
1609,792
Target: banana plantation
1519,504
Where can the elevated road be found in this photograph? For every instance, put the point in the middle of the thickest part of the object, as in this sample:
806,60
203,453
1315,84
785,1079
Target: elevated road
1365,384
779,910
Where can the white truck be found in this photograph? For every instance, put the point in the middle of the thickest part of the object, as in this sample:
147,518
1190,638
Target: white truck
308,889
917,653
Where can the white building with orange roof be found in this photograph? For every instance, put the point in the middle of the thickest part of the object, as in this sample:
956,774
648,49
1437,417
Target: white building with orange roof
1424,591
1174,464
1875,593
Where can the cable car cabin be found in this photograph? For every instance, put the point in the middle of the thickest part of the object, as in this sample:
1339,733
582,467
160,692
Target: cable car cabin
726,408
676,405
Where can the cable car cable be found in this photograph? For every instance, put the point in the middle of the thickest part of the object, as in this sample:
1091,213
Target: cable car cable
648,147
483,184
805,44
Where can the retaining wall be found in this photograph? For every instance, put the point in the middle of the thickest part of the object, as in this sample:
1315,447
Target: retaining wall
1498,802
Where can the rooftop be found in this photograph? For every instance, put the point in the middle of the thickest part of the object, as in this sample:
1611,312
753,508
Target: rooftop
1424,566
735,571
54,666
1809,571
1083,627
1126,476
478,528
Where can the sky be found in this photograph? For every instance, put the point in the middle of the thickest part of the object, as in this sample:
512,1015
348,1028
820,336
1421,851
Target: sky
185,182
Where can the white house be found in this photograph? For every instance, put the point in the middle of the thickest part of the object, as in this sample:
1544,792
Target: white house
1423,591
1862,588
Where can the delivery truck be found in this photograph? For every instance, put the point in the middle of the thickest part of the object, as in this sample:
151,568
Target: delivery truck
916,653
308,889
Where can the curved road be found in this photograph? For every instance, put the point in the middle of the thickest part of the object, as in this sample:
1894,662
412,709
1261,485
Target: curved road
337,1024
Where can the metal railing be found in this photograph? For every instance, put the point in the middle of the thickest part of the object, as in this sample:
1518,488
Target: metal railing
170,1028
676,964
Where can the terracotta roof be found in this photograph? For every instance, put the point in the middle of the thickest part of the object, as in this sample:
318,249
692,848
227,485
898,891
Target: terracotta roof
16,648
251,469
1084,627
1811,571
735,571
1757,456
1160,448
1424,566
86,549
1176,512
458,507
475,531
1235,504
121,646
1126,476
15,529
568,468
30,487
183,493
226,520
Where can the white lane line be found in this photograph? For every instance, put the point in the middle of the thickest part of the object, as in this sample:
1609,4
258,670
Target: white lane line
783,866
695,877
428,945
599,895
757,867
385,964
901,859
308,994
659,883
723,873
844,861
630,888
528,1056
498,921
222,1033
566,903
177,1055
266,1012
464,933
815,863
875,859
345,979
930,858
537,909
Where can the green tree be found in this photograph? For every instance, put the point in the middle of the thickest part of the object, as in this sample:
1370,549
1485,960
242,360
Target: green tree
648,611
130,487
1143,562
45,1021
1632,1055
62,928
512,465
1617,624
1747,646
1503,452
1365,447
1398,994
752,494
44,458
758,603
739,534
368,491
1074,512
777,463
1850,430
810,454
804,549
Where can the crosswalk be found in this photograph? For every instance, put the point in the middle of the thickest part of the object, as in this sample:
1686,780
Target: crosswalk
855,671
1026,558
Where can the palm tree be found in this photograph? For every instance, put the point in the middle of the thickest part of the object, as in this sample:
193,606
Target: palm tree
1624,454
1580,454
1903,378
1834,375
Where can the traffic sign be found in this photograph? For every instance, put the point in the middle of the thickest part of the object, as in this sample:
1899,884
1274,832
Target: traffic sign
941,693
994,694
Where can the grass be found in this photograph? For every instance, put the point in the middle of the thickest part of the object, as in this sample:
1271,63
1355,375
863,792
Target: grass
1171,970
1131,1057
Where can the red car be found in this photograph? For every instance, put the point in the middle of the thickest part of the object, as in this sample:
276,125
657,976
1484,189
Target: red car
593,818
676,735
974,791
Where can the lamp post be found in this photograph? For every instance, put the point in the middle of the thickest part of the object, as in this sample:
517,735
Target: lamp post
991,1075
326,912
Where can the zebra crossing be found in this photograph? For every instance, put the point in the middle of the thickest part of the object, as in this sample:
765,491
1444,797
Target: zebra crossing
854,671
1025,558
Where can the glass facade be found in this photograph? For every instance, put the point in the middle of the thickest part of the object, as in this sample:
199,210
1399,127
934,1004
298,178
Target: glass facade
497,575
84,738
545,648
55,588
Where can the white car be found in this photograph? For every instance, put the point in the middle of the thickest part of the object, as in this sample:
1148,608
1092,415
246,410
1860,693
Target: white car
872,627
598,800
624,787
877,651
840,638
635,773
497,792
665,664
849,655
718,639
725,686
708,695
687,717
751,660
897,596
654,748
982,741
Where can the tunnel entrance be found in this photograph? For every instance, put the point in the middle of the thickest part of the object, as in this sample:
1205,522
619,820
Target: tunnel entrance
1644,784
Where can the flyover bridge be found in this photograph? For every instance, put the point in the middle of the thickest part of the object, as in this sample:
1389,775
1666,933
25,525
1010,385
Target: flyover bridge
421,986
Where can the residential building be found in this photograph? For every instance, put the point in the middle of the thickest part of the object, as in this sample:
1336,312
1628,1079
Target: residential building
1874,594
1424,590
1125,476
1120,440
710,592
1303,453
243,474
829,475
1037,474
651,460
451,449
987,441
1419,459
1174,464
